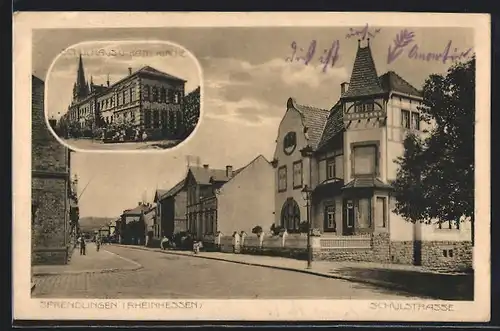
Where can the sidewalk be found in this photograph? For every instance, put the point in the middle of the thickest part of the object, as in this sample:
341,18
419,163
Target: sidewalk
404,278
92,262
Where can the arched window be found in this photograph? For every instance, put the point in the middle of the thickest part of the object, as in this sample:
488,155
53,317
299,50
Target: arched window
290,215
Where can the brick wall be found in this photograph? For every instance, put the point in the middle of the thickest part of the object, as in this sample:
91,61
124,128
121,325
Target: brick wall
49,188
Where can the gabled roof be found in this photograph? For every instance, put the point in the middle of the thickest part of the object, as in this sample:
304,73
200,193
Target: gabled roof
391,81
98,88
364,79
203,175
237,171
314,119
156,72
174,190
159,194
334,125
137,210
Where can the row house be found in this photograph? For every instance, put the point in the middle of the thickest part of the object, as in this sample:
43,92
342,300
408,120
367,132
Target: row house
229,201
171,211
54,203
346,157
201,183
136,224
148,99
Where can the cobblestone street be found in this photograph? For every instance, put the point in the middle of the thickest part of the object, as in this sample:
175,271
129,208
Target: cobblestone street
171,276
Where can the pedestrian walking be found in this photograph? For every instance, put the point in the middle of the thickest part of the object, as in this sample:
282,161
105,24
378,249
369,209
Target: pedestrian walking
196,246
97,243
81,241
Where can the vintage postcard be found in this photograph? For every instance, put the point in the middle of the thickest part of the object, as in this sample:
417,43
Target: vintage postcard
251,166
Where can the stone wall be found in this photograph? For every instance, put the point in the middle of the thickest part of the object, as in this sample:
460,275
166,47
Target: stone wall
436,255
381,247
402,252
47,153
50,176
50,256
380,250
344,254
377,252
293,253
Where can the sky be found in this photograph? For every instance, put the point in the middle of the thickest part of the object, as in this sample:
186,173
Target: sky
246,82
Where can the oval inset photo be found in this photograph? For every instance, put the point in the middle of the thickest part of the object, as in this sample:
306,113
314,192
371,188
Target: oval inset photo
123,95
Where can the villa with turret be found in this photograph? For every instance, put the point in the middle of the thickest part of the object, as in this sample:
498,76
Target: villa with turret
346,157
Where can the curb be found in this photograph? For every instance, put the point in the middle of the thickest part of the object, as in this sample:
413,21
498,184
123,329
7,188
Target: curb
96,271
304,271
137,266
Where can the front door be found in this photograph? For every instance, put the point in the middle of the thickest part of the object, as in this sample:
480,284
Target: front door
348,219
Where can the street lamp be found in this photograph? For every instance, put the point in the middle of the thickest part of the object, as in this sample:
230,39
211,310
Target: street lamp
306,194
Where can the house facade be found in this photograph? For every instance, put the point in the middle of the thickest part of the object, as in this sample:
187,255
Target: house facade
171,210
228,201
136,224
147,99
346,156
244,201
54,207
201,184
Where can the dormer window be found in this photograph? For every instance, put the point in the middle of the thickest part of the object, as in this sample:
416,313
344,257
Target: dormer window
364,107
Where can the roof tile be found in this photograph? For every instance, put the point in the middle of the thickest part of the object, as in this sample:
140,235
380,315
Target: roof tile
364,78
153,71
314,120
391,81
334,125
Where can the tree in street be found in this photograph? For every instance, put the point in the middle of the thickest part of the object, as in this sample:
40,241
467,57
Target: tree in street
435,179
191,111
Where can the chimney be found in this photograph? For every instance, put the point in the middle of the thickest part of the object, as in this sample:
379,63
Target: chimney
229,171
205,166
344,87
129,71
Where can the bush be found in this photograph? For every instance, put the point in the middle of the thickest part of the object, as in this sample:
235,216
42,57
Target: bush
276,230
257,230
316,232
183,240
304,227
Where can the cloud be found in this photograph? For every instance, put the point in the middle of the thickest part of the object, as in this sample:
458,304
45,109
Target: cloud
249,111
254,92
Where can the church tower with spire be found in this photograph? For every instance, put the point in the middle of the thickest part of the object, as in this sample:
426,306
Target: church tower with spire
81,88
